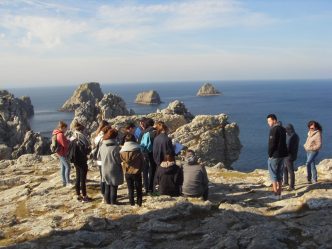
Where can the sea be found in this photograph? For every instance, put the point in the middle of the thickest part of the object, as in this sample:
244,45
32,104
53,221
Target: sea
245,102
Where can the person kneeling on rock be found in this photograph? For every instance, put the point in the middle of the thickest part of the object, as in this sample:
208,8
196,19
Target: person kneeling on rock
169,177
195,179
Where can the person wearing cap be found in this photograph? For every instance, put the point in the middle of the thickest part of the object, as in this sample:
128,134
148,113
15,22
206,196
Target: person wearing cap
195,179
293,148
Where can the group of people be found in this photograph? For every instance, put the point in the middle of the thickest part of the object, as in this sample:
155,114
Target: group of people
143,155
283,149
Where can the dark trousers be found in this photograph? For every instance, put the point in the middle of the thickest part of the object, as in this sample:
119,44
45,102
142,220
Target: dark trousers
134,181
81,173
111,194
102,184
149,172
289,172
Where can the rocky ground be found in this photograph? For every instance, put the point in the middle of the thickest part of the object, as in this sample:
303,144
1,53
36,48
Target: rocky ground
37,212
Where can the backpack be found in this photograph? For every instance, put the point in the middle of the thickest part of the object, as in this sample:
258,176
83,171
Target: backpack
147,143
54,144
71,156
77,148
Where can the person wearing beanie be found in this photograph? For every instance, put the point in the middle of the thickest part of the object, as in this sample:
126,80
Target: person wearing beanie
195,179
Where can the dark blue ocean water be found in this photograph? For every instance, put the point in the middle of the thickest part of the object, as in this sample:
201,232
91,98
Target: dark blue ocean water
246,102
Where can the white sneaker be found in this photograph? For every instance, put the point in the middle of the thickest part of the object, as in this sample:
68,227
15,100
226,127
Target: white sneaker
69,185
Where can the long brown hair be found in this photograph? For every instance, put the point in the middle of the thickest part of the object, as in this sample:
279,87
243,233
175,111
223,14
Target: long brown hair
101,126
316,124
110,133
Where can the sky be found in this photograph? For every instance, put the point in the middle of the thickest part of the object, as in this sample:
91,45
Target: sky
46,43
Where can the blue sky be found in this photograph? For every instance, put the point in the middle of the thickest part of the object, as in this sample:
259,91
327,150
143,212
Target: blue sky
69,42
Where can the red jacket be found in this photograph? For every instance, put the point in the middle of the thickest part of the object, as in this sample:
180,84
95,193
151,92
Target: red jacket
62,142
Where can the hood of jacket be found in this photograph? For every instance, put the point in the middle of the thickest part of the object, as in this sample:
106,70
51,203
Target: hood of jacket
130,146
290,129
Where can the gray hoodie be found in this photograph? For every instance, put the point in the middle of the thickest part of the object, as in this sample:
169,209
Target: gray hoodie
111,169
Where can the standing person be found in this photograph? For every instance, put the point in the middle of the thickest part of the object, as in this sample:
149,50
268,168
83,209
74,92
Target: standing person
62,151
277,152
312,147
132,129
195,178
133,163
97,143
141,127
162,143
293,148
169,176
146,144
111,169
80,160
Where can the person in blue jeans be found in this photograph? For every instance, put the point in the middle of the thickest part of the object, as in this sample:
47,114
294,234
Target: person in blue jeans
312,146
277,152
62,151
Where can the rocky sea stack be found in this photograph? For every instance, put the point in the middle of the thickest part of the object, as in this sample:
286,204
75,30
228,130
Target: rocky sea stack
84,93
16,137
148,98
208,90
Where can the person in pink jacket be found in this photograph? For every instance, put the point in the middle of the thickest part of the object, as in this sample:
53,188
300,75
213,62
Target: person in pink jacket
62,152
312,147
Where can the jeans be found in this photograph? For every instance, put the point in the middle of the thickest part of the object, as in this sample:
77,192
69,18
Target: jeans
102,184
289,170
65,170
81,173
149,172
111,194
311,166
275,166
134,181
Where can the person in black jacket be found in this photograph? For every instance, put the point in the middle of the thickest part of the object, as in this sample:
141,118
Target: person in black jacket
81,147
277,152
293,148
169,177
162,144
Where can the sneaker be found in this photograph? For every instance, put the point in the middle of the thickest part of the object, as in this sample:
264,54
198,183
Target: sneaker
69,185
79,198
86,199
290,189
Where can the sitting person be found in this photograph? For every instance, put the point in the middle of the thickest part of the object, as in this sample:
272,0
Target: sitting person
132,163
169,177
195,179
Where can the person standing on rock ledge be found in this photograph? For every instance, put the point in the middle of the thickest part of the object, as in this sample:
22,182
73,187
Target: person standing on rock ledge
62,152
312,147
82,148
277,152
111,169
293,148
